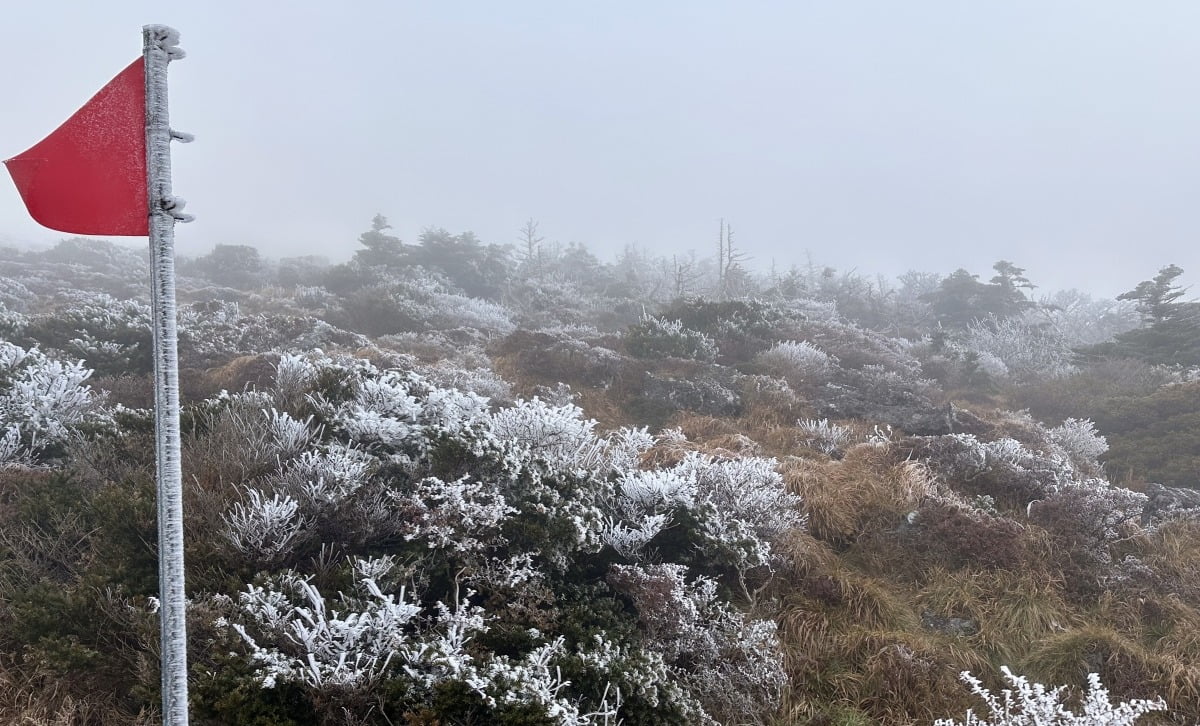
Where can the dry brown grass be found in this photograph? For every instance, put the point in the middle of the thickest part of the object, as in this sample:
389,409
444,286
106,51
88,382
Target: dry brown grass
239,374
905,677
1173,551
1012,609
1162,622
864,491
1127,668
43,701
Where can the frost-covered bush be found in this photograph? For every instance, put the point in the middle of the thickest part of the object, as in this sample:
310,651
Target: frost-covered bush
1026,349
41,398
1086,521
1028,703
743,506
215,332
723,657
12,323
828,438
1005,469
739,507
740,329
471,551
656,337
564,439
796,360
296,636
1082,320
264,529
481,380
448,311
1081,442
415,300
15,296
112,336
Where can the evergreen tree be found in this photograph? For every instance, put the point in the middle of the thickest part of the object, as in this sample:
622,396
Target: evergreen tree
381,249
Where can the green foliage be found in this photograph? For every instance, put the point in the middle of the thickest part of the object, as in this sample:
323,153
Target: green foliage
1156,298
73,579
379,248
740,328
223,691
1155,437
962,299
237,266
1170,332
665,338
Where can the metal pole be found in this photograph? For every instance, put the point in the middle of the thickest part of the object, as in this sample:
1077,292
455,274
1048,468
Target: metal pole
159,48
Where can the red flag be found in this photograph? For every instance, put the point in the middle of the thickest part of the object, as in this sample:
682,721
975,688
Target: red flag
89,176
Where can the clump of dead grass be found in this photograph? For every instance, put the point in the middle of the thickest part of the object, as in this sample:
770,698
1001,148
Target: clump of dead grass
864,491
1127,668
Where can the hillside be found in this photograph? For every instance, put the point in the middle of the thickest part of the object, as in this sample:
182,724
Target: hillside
457,483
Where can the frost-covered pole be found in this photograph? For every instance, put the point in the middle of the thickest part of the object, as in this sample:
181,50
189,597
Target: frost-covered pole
160,47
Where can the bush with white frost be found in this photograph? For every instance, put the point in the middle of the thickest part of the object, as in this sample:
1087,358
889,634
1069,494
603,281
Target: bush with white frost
461,544
828,438
1083,444
655,337
41,398
796,358
264,529
1025,348
1028,703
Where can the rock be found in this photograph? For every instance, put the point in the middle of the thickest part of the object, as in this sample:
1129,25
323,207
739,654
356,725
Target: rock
958,627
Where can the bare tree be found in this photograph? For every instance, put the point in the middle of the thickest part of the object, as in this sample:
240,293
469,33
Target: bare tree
729,259
530,245
684,273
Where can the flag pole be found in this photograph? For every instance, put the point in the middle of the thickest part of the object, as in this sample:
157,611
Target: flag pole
160,47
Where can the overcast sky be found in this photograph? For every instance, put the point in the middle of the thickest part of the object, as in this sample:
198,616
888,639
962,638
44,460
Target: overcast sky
879,136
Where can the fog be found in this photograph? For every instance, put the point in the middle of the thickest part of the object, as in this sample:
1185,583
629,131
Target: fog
875,136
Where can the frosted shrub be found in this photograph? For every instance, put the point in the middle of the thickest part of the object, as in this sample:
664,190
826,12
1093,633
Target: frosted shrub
734,669
294,374
1084,321
533,680
1026,349
828,438
656,337
11,451
742,505
290,436
264,529
628,538
295,636
989,364
12,323
1081,442
388,409
480,380
463,515
562,438
14,295
449,311
801,359
1033,704
313,297
551,431
41,397
326,477
112,335
1089,516
408,482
